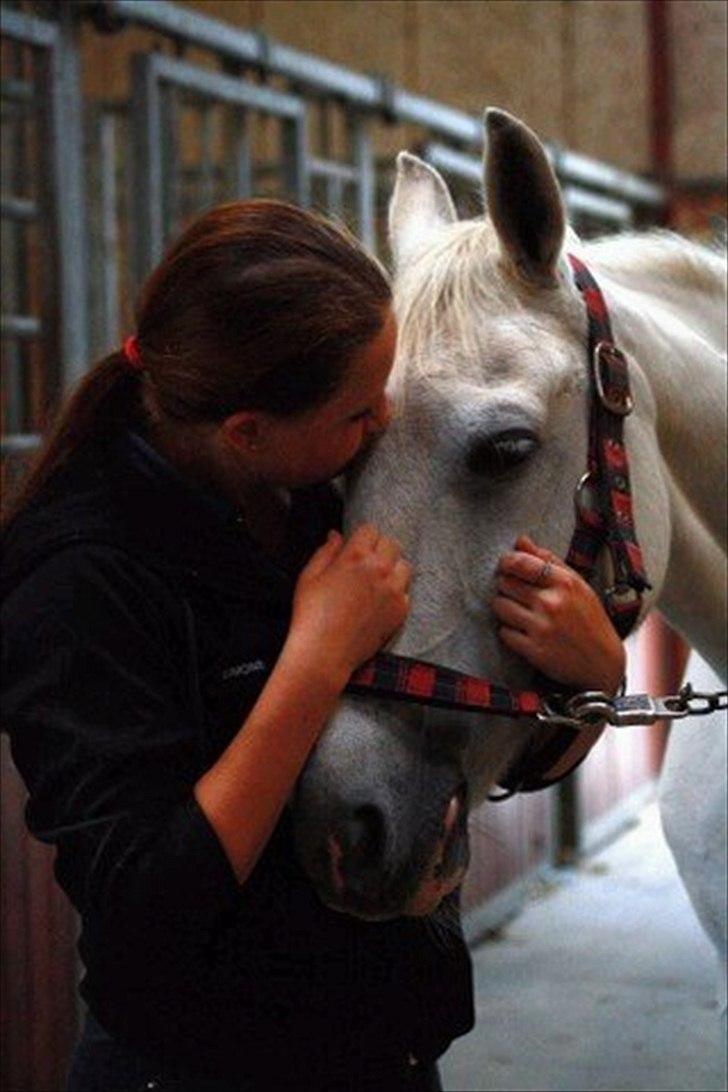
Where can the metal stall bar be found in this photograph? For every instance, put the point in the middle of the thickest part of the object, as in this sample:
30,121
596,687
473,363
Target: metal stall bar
149,73
579,202
69,197
336,176
63,322
467,167
107,335
597,206
360,150
368,93
580,169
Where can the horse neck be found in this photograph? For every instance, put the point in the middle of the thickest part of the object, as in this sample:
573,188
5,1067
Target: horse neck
676,340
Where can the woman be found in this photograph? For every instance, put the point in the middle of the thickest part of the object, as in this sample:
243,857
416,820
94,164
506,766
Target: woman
181,616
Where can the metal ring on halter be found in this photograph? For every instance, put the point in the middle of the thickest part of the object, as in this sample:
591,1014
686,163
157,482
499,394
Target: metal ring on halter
585,504
622,592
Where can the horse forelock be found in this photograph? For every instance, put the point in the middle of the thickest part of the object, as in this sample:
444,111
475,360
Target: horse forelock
451,279
461,311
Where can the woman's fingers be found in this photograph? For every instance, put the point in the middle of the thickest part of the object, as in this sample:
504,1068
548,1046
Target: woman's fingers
543,572
519,590
325,554
517,641
388,550
513,614
402,575
365,537
526,543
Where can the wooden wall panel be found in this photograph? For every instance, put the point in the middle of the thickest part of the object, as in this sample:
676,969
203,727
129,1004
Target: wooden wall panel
38,968
507,841
699,29
607,69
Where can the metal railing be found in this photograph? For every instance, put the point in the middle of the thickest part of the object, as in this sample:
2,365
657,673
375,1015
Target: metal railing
78,252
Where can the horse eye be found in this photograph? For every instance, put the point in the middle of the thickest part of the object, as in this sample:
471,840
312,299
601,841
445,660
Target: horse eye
501,451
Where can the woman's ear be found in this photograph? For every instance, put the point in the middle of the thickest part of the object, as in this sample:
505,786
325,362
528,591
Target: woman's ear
244,430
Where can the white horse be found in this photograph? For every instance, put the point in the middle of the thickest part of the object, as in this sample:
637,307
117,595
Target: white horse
489,440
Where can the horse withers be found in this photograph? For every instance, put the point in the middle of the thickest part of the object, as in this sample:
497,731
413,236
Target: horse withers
489,440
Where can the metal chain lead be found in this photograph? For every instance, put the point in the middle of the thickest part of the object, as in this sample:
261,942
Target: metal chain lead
594,707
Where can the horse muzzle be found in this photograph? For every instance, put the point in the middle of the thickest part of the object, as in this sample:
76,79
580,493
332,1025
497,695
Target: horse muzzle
381,832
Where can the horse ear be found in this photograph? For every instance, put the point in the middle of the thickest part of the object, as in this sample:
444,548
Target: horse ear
523,197
420,205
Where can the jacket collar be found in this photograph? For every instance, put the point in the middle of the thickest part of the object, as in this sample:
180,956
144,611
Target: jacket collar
125,493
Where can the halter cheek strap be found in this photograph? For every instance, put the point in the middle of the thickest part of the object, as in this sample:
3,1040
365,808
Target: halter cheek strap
604,515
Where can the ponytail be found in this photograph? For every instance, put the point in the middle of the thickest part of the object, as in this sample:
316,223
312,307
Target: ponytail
101,401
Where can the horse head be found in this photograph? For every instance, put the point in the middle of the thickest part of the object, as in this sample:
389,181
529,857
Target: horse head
488,440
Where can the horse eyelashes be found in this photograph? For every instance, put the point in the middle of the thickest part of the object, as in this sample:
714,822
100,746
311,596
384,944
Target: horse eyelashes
496,454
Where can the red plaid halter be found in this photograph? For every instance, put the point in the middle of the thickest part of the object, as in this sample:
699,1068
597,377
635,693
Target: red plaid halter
603,499
604,518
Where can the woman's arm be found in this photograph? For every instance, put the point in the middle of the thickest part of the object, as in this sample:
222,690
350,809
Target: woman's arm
349,599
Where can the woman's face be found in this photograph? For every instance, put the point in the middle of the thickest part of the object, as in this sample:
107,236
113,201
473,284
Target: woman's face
317,445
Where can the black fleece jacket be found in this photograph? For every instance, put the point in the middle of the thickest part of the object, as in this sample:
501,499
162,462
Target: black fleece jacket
139,623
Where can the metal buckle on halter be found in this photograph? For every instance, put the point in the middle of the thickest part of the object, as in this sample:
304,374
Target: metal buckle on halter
605,352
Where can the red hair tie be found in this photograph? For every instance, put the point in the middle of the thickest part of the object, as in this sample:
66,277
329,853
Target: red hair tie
132,354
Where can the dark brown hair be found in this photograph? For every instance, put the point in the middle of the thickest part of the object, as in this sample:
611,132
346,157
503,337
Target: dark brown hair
258,305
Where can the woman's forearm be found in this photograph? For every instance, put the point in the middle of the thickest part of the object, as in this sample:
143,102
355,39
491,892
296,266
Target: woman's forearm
243,794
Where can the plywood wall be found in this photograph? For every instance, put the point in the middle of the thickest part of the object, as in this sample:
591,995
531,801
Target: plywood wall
576,70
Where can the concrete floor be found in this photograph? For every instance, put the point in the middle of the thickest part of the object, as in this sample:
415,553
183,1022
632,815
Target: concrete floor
604,981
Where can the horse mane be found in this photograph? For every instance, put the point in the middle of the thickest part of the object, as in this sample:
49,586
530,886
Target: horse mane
660,255
459,272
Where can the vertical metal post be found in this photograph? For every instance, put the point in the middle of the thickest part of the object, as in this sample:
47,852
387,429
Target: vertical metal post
295,160
335,195
568,820
109,332
360,150
14,253
70,204
236,154
171,193
206,194
146,143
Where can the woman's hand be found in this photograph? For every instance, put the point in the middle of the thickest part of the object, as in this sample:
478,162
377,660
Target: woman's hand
555,620
350,598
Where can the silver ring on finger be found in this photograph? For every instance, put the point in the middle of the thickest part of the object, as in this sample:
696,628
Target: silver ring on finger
544,576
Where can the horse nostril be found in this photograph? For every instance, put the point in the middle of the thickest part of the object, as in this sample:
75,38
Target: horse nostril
364,839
